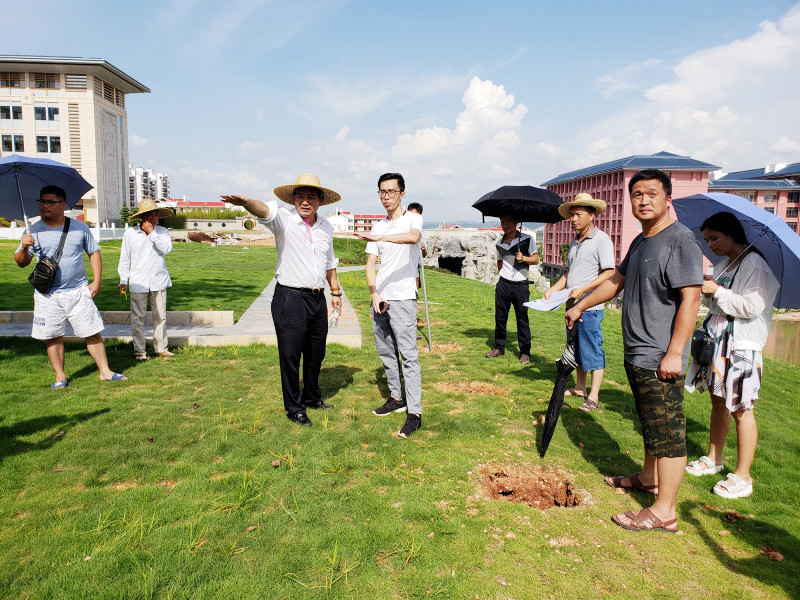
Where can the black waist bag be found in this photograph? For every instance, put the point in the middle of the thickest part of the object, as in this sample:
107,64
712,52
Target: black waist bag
44,273
702,347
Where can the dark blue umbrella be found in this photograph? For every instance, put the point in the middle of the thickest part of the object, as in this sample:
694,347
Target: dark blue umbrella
22,177
765,231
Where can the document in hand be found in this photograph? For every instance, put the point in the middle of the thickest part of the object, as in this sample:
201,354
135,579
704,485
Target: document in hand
556,299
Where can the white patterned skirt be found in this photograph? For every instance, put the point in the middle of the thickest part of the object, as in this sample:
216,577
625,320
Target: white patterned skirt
733,375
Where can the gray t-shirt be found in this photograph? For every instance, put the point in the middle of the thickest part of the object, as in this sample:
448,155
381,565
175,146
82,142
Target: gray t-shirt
587,260
71,272
655,270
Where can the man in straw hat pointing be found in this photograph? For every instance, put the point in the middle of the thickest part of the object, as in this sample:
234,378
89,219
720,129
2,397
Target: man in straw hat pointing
305,260
590,263
143,272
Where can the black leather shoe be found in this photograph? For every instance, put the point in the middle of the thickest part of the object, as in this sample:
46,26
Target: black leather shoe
300,418
320,404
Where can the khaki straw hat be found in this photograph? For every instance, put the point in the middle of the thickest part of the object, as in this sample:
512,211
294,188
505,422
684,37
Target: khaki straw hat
286,192
582,199
148,205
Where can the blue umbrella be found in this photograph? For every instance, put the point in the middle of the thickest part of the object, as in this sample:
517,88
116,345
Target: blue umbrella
765,231
22,177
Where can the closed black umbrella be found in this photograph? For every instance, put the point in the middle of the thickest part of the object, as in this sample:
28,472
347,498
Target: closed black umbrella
524,202
564,366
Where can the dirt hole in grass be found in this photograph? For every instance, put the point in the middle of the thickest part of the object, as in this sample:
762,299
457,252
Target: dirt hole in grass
472,387
539,487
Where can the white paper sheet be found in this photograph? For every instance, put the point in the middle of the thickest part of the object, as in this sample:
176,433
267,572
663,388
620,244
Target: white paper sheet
556,299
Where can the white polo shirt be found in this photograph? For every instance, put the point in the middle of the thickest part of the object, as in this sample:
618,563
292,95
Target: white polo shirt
397,277
304,257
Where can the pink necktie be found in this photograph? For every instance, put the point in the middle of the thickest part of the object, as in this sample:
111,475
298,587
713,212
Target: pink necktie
308,229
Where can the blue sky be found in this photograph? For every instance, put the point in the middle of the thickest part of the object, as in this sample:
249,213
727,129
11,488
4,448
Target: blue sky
460,96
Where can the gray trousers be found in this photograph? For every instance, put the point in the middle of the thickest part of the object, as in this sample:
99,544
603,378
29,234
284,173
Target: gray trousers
396,342
158,304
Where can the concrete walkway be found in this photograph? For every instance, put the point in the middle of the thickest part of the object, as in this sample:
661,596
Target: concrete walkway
206,328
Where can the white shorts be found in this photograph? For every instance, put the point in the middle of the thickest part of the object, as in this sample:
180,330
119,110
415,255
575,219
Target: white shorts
52,311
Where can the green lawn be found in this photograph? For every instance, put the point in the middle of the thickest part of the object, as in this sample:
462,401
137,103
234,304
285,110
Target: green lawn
164,486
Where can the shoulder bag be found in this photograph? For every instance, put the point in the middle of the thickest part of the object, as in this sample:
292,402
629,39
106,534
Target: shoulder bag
46,268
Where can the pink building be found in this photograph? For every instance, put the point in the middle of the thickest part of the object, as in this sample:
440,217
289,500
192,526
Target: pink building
775,188
365,222
609,182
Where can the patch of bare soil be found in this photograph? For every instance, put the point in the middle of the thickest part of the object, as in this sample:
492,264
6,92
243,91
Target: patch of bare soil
540,487
199,236
472,387
441,348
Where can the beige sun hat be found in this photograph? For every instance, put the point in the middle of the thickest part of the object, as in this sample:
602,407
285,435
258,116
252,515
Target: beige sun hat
149,205
582,199
286,192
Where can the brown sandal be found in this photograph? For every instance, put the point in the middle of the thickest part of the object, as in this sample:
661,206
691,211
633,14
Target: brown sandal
636,484
645,520
589,406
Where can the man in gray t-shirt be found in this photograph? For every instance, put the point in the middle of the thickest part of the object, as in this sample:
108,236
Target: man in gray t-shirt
590,263
661,277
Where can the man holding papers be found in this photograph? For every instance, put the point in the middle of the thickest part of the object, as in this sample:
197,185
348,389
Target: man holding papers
515,252
590,263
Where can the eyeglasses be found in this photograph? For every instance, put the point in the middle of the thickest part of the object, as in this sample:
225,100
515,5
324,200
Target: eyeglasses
49,202
306,197
388,193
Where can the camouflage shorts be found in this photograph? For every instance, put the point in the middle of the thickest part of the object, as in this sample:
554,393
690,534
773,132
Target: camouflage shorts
659,405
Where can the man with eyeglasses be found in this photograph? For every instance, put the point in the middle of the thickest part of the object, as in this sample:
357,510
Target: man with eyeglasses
299,312
70,298
394,300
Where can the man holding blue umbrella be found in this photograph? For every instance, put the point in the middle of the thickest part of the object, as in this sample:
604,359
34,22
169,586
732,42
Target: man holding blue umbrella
70,298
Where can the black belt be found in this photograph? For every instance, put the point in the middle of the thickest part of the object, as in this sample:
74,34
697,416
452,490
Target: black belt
508,281
314,291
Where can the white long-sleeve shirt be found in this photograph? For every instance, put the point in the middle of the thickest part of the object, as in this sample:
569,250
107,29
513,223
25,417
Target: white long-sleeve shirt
305,254
748,301
141,262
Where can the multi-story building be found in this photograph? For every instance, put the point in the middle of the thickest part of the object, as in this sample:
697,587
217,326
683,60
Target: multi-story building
365,222
146,183
71,110
775,188
341,221
609,182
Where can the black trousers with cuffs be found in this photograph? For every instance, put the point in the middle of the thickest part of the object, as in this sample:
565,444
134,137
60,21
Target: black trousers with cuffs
301,325
508,294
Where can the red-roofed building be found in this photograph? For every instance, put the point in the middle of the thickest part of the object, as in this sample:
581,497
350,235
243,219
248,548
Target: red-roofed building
365,222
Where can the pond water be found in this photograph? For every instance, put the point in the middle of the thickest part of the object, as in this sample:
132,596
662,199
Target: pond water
783,342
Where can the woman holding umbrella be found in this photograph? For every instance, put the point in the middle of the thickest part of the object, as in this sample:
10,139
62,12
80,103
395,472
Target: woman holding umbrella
740,298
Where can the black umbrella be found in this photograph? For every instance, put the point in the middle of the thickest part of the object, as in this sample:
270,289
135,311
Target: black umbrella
564,366
524,202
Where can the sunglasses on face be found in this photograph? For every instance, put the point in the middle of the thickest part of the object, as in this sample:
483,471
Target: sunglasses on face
48,202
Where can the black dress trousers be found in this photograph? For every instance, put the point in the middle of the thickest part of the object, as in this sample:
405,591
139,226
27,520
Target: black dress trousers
301,325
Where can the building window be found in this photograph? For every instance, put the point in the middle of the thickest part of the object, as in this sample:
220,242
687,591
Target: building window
13,143
45,113
793,226
12,80
794,196
791,213
55,144
751,196
46,80
11,112
75,82
770,197
770,209
51,144
41,144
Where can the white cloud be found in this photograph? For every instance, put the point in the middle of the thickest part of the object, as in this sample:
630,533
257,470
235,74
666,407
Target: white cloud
137,140
785,146
734,105
259,114
626,79
488,122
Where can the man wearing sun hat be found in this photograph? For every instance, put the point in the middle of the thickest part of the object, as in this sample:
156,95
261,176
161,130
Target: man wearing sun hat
305,260
590,263
143,273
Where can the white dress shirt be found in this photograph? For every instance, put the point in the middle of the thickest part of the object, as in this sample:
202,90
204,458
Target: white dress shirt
303,261
141,261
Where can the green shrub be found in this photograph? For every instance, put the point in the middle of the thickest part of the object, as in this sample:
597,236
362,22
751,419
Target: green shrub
202,214
175,221
4,222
